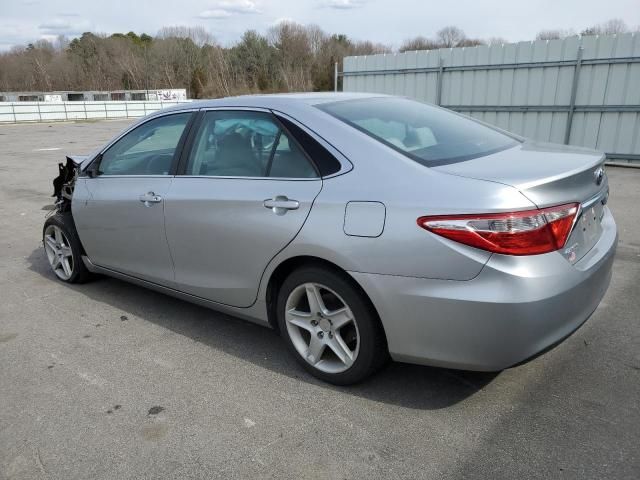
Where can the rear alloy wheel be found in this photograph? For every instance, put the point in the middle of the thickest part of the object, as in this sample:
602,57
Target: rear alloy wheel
331,329
62,246
322,328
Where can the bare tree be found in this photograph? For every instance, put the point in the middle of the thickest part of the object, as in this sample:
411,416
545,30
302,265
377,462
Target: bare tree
554,34
496,41
610,27
317,39
179,53
220,78
470,42
294,55
418,43
198,35
368,48
447,37
450,36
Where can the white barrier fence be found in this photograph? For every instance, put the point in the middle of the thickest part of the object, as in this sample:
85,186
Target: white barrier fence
16,112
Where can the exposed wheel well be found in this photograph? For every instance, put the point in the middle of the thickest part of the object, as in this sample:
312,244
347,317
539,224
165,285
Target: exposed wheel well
285,268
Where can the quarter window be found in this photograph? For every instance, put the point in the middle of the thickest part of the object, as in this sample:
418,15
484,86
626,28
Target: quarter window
246,144
147,150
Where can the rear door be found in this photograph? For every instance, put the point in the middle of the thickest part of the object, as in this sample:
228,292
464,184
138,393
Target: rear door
119,207
246,191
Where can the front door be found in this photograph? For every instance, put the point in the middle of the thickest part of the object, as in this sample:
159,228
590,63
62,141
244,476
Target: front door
246,192
119,209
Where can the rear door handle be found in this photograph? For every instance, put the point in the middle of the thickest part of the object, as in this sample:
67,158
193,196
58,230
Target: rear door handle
281,204
149,198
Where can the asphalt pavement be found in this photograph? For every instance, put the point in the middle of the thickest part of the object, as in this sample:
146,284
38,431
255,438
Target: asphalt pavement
111,381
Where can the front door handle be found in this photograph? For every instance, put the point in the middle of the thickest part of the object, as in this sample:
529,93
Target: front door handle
281,204
149,198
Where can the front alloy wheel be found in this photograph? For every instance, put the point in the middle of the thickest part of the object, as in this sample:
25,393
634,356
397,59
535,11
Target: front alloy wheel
63,249
59,252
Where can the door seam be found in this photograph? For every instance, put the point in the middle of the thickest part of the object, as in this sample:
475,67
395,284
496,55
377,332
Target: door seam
164,225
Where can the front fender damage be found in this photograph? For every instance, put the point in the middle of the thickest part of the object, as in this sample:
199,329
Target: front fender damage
64,184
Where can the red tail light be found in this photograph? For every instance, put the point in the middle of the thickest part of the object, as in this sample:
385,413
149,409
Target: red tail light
529,232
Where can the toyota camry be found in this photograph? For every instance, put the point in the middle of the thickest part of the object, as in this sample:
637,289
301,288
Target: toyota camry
361,227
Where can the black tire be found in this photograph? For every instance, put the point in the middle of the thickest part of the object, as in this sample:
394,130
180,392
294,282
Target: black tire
64,221
372,352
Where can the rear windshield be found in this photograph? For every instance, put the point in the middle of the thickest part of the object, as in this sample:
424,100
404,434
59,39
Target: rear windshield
430,135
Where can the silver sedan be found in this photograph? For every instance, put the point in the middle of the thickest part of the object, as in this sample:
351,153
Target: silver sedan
361,227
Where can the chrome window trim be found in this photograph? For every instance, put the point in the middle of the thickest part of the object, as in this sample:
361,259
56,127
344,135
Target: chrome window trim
244,109
141,122
130,176
281,179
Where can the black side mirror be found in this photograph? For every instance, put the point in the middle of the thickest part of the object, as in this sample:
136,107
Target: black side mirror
93,170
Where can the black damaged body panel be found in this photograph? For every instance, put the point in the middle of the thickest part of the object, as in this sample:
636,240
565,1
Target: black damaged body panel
64,183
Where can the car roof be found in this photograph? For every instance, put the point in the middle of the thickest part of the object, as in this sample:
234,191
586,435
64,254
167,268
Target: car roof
277,100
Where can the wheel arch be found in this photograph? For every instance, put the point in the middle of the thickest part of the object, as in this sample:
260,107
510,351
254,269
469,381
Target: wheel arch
68,217
282,271
64,222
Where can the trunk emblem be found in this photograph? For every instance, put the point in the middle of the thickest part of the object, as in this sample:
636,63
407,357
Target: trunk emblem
598,175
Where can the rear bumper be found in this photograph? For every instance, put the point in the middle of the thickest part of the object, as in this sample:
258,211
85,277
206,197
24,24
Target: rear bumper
515,308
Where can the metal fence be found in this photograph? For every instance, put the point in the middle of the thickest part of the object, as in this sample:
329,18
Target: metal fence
580,90
14,112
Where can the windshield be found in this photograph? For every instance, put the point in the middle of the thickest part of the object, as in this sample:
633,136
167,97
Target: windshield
428,134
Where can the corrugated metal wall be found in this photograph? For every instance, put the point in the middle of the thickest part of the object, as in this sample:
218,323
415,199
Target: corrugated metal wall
579,90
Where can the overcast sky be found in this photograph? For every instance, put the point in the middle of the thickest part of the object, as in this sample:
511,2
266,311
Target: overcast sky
386,21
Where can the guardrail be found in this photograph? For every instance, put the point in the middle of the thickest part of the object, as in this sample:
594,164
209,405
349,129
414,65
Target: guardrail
17,112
